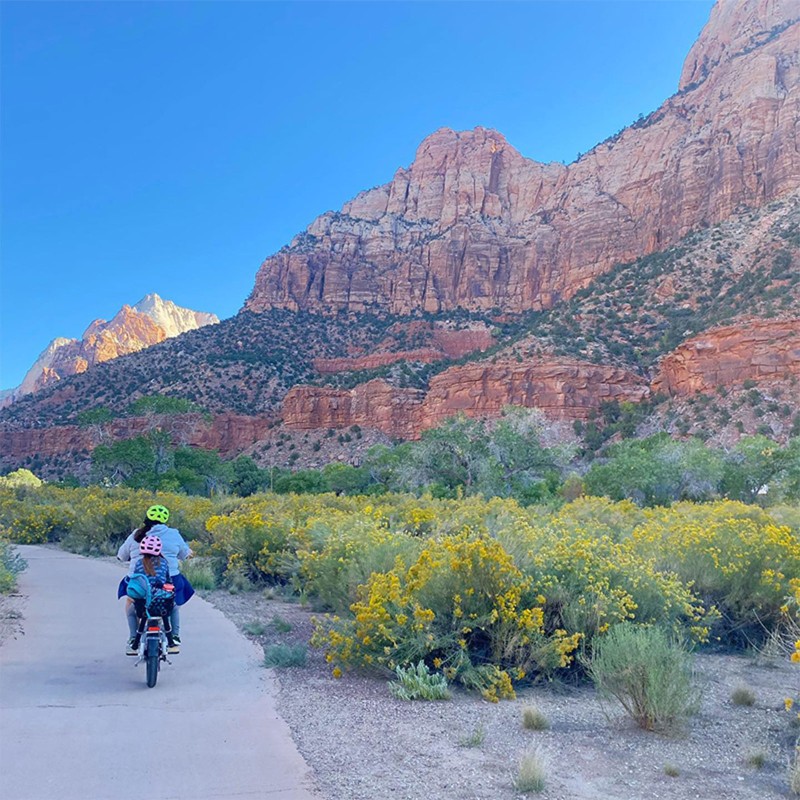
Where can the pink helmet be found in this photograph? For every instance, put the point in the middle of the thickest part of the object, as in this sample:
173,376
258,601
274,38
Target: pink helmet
150,546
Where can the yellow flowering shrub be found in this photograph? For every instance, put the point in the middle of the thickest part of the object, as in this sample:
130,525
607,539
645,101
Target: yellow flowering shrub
344,551
459,607
487,592
256,542
733,556
592,582
33,516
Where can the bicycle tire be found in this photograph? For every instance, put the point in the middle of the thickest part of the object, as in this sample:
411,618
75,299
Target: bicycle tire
151,661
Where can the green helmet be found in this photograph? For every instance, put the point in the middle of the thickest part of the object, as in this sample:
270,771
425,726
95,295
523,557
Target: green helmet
158,514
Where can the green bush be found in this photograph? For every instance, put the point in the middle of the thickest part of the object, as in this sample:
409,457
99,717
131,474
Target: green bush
648,672
418,683
11,564
200,573
285,655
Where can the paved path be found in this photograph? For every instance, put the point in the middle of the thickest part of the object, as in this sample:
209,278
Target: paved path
77,721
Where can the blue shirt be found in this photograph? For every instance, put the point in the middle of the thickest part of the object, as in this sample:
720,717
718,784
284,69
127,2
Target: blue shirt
161,576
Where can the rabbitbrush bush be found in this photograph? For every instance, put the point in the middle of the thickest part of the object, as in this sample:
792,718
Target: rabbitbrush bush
11,564
734,556
648,672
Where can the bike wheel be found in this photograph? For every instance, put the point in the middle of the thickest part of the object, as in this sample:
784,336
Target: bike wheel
151,656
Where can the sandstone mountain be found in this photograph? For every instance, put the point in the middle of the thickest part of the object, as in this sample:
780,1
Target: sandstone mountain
660,271
473,224
134,328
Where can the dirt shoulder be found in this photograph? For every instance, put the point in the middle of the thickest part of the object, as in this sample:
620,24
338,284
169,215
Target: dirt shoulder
11,616
363,744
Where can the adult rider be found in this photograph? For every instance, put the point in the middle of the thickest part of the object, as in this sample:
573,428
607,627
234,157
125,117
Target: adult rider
174,550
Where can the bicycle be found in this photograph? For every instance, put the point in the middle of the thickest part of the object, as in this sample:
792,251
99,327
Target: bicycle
152,648
151,607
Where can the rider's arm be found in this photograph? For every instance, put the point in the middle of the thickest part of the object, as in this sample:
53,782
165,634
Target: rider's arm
184,551
124,553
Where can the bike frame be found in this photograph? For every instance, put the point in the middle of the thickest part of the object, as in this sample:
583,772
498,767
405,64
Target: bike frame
153,647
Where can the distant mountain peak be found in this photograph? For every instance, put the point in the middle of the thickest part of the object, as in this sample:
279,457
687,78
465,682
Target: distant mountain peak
133,328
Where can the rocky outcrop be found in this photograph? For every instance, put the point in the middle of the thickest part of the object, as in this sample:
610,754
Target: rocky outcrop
563,390
472,223
758,350
435,341
230,434
375,404
332,366
150,321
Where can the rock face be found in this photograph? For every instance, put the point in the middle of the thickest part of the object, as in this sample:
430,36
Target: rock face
759,350
436,341
472,223
228,433
147,323
375,404
563,390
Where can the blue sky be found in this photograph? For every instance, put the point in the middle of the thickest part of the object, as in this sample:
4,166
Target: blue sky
170,147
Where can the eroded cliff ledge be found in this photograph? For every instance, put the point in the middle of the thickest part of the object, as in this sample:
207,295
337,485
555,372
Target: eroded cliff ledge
758,350
563,390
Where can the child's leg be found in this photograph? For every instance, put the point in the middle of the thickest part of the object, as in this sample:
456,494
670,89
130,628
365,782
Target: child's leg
175,621
130,613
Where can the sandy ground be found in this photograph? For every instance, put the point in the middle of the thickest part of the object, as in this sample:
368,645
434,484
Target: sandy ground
363,744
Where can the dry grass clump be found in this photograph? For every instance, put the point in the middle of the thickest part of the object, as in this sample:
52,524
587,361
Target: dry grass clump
280,624
254,627
743,696
475,738
649,673
534,720
794,772
284,655
756,759
671,770
531,773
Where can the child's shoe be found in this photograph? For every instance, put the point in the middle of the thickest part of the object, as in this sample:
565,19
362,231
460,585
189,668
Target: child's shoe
173,645
133,647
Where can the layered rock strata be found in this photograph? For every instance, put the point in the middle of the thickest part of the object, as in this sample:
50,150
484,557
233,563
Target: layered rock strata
563,390
757,350
437,340
227,433
473,224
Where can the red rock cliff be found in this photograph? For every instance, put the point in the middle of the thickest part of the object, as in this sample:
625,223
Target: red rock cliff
759,350
563,390
228,433
472,223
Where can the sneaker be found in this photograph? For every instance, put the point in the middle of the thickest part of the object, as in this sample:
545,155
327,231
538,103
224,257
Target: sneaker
176,639
132,648
173,647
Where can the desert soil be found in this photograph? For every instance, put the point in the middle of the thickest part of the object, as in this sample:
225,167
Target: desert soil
363,744
11,615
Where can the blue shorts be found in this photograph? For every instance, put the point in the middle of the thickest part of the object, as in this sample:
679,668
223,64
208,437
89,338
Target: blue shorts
183,589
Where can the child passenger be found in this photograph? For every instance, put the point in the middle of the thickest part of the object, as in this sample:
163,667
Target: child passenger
153,566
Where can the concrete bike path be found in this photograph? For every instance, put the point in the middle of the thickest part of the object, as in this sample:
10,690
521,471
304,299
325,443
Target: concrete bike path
77,721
